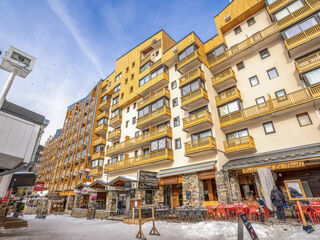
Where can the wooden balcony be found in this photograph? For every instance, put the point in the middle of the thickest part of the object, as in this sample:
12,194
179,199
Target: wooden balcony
96,172
140,140
99,141
308,63
101,129
98,155
200,146
243,145
153,96
114,106
304,42
145,60
228,96
104,105
104,114
189,62
311,7
154,84
266,35
194,100
156,117
197,122
286,102
115,122
275,6
193,75
114,135
165,155
224,80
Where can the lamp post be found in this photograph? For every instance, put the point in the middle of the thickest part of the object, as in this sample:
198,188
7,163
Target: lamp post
17,63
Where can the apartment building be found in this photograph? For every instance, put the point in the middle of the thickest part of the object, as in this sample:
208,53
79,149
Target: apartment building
203,117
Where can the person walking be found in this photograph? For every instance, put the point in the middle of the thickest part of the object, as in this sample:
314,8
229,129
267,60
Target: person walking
279,202
119,207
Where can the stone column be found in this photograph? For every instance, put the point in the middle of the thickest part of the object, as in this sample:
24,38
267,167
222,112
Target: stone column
140,194
156,197
191,183
3,209
235,187
258,184
77,200
222,186
112,201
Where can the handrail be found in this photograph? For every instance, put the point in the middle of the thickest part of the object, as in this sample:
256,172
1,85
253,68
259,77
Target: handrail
238,142
300,38
191,75
114,133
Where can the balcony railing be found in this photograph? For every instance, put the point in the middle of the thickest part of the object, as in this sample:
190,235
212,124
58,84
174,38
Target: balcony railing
96,171
145,60
310,7
158,82
197,73
101,129
223,76
114,134
141,139
303,37
163,111
153,96
227,96
239,144
308,63
254,39
277,5
99,140
193,96
191,57
196,119
104,105
273,105
115,121
115,106
151,158
98,155
103,114
200,145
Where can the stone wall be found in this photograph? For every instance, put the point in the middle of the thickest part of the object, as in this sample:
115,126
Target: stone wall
101,214
222,186
77,200
191,183
156,197
29,210
43,207
3,209
235,187
79,212
112,201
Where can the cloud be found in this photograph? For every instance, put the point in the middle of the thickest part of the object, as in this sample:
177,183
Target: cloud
60,10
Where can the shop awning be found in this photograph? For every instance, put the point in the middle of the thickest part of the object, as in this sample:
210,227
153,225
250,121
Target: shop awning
308,151
193,168
122,178
82,185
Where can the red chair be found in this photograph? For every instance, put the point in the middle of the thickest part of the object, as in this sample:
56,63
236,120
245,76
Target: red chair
315,210
211,213
222,212
306,211
267,212
241,209
253,212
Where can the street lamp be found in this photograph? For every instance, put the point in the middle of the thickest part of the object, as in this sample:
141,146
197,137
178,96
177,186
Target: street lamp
17,63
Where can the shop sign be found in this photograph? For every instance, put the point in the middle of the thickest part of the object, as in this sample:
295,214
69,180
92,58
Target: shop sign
147,180
275,166
93,196
170,180
38,186
206,175
84,191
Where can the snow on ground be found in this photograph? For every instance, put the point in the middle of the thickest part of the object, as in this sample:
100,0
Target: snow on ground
64,227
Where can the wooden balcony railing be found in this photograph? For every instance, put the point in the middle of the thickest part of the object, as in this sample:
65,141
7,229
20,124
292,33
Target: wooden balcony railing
197,73
103,114
165,110
136,141
303,37
145,60
98,155
227,96
254,39
115,106
195,119
96,171
101,128
153,157
239,144
189,58
104,104
222,76
310,62
200,93
200,145
153,96
114,133
115,119
99,140
292,99
277,5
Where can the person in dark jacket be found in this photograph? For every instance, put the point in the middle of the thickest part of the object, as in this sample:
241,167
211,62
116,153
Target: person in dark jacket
279,202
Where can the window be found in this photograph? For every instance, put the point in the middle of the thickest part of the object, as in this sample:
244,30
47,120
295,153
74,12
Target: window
117,88
127,69
159,144
126,81
115,100
200,135
131,89
136,134
127,124
254,81
251,21
133,64
174,84
144,66
121,157
298,28
312,77
260,100
150,108
270,2
268,128
191,87
136,152
177,143
128,109
304,119
174,102
240,66
157,53
156,72
229,108
109,84
122,95
272,73
117,77
237,134
288,9
102,121
134,120
114,159
115,113
264,53
144,80
280,93
134,105
217,51
237,30
132,76
187,52
176,121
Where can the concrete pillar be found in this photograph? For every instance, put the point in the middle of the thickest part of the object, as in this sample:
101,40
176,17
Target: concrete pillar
222,186
235,187
194,187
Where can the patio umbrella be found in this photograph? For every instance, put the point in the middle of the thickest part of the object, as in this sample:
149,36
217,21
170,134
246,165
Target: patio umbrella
267,183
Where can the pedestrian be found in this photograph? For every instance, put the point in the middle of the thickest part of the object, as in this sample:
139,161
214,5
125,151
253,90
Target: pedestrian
118,207
279,202
253,202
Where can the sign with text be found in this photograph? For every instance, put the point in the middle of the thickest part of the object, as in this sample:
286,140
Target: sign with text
275,166
243,220
148,180
38,186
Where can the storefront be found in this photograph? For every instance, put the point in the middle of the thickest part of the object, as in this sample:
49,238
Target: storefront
98,194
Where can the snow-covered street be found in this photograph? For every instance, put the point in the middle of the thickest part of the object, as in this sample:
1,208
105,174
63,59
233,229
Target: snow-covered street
64,227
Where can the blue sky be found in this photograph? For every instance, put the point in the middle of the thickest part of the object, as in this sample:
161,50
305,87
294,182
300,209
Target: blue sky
76,43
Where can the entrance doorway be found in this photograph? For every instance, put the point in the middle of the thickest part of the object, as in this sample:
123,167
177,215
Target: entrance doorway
247,186
210,190
167,195
177,195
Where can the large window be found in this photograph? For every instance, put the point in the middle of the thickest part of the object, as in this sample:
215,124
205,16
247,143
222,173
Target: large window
268,2
156,72
217,51
200,135
237,134
115,113
144,80
312,77
298,28
115,100
229,108
117,88
145,66
97,163
101,121
187,52
191,87
152,107
160,144
288,9
99,148
118,77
